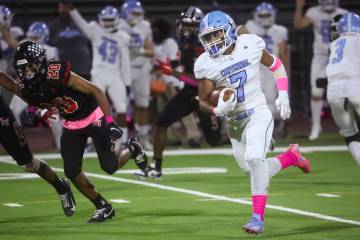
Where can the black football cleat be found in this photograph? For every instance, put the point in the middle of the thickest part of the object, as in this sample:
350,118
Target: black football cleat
138,154
67,199
102,214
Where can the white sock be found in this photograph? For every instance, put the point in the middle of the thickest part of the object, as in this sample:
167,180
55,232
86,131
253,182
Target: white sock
274,166
259,176
316,107
125,135
354,148
142,130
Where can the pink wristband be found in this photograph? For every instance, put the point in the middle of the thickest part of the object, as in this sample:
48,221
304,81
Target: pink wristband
277,63
188,80
109,119
282,84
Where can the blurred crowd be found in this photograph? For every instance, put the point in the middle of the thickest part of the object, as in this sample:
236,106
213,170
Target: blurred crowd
130,75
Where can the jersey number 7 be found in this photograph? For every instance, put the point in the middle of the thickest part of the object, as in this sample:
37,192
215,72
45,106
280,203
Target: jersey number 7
240,77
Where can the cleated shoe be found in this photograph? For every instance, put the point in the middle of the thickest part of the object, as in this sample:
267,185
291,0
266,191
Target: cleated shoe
255,225
67,199
138,154
102,214
302,163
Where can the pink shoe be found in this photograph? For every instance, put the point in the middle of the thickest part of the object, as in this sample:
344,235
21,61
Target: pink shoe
302,163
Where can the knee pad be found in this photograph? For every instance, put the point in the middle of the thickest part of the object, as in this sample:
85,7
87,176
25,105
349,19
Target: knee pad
355,137
109,169
33,166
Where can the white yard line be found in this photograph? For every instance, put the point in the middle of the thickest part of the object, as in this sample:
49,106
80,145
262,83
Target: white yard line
211,196
210,151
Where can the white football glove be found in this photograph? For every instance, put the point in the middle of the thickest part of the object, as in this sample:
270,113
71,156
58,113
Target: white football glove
224,107
282,104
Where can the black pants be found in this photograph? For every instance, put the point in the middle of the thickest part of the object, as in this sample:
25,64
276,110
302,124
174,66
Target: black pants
184,103
73,145
12,136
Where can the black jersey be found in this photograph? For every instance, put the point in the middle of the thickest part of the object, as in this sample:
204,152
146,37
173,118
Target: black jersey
53,92
190,51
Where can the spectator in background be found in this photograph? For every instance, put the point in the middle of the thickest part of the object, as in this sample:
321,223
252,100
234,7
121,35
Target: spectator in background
6,52
70,41
320,18
167,50
275,37
38,32
141,54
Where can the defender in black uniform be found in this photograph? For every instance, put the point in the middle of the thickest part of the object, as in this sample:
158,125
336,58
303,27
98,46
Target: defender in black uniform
13,140
86,113
184,102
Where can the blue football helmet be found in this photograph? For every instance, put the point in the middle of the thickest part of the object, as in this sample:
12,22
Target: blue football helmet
6,15
328,5
38,32
109,18
264,14
132,11
217,32
349,22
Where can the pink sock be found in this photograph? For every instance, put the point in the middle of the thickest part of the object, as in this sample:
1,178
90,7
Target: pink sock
287,159
259,203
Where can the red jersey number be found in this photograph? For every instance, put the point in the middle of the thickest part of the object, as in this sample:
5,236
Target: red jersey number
53,71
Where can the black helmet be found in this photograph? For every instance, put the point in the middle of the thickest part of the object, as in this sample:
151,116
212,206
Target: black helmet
33,54
190,17
161,30
334,34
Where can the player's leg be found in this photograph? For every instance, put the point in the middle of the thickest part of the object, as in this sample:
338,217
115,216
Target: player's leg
111,157
56,129
179,106
193,134
211,126
17,106
117,93
318,66
72,150
13,140
344,118
141,88
237,139
258,133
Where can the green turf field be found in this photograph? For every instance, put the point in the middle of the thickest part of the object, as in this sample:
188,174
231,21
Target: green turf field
191,209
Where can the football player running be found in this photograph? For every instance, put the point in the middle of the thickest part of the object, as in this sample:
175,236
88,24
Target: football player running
320,18
141,54
275,37
12,138
184,102
232,62
38,32
111,63
83,106
343,80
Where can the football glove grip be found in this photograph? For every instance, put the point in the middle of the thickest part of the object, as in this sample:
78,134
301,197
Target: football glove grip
224,107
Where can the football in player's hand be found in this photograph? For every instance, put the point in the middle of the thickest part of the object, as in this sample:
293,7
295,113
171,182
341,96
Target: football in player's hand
214,98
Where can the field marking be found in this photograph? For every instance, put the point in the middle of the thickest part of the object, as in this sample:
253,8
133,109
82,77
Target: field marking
14,176
13,204
211,151
119,201
210,196
328,195
184,170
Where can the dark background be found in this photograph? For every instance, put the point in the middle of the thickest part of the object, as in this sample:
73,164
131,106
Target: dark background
300,41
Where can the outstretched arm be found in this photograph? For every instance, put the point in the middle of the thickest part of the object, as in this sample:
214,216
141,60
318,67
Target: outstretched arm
80,84
81,22
9,83
5,32
301,21
281,80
